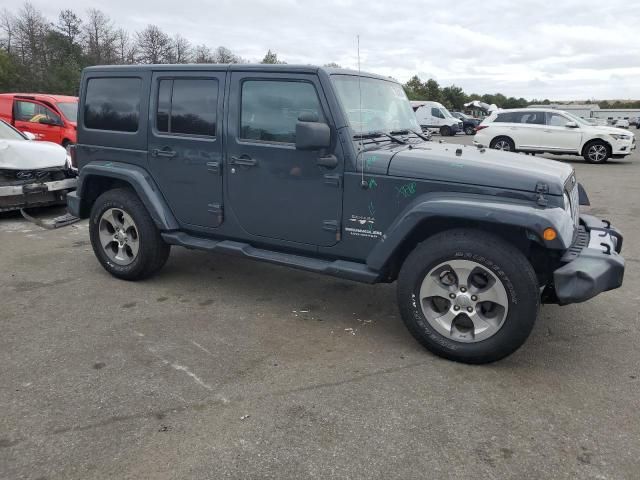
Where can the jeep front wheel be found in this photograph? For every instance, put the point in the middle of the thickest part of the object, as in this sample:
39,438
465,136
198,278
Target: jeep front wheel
123,236
468,296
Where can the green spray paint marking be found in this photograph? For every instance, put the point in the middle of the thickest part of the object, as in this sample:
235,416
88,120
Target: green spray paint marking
407,190
369,161
372,209
373,184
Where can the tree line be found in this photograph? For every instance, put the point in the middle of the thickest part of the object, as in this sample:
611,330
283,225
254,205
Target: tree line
40,55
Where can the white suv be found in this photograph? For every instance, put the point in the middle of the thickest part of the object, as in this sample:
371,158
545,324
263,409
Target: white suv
553,131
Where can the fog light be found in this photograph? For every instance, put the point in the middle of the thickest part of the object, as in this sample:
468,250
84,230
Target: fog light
549,234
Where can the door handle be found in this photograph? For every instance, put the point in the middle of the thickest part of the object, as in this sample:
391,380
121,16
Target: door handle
165,152
328,161
244,160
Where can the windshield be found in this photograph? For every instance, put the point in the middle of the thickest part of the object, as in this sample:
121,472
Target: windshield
446,113
69,110
578,120
374,105
9,133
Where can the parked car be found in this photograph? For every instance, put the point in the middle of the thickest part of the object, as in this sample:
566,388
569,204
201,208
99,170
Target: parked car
469,124
634,122
32,174
51,118
553,131
264,162
434,115
620,123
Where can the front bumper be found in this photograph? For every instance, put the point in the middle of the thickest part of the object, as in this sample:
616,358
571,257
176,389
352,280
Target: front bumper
623,147
15,197
593,264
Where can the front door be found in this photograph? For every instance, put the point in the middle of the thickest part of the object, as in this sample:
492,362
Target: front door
276,191
557,136
37,118
185,144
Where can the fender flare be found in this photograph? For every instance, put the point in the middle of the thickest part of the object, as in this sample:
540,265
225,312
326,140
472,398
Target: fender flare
139,179
476,208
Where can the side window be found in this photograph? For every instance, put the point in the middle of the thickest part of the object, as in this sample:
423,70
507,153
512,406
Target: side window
436,113
509,117
532,118
187,106
36,113
270,109
555,120
113,104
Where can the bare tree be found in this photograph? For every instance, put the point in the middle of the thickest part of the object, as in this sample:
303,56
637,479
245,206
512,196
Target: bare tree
154,46
181,51
30,30
202,54
126,50
69,25
224,55
100,38
7,22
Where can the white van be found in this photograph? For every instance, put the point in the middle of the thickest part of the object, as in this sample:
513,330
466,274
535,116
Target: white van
433,115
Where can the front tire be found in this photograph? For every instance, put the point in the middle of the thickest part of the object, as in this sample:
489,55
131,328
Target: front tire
124,238
468,296
596,151
445,131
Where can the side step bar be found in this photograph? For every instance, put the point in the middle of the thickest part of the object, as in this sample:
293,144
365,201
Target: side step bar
358,272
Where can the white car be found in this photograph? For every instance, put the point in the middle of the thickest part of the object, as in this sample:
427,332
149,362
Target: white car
434,115
620,123
553,131
32,174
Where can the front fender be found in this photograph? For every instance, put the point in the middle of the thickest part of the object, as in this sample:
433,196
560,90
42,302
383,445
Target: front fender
472,208
139,179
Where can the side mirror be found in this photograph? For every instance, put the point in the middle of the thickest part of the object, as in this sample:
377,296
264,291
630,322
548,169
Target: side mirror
311,134
29,135
571,125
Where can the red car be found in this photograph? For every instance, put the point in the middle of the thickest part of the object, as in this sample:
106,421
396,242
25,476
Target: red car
51,118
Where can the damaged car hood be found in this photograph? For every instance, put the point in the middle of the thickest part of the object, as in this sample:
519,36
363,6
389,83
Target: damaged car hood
30,155
470,165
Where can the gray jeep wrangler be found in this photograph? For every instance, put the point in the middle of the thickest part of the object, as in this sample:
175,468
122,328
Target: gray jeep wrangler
327,171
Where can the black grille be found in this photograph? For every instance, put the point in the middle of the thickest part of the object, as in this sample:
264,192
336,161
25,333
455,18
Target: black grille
580,243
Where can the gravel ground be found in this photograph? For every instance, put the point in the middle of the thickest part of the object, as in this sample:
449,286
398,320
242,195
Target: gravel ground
224,368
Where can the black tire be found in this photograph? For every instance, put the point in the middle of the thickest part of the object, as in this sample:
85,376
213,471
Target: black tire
504,261
470,130
153,252
445,131
589,152
506,143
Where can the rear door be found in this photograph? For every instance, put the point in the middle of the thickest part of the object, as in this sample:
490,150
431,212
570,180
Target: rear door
185,144
275,190
560,137
529,129
37,118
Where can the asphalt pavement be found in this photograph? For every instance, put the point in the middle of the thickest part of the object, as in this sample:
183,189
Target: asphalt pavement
221,367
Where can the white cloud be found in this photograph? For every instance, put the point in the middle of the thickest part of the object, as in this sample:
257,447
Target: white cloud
533,48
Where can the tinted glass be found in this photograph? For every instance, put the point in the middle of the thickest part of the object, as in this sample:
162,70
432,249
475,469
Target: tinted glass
193,107
437,113
555,120
509,117
533,118
164,105
270,109
113,104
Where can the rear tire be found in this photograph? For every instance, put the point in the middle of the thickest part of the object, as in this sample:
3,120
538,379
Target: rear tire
445,131
503,143
124,238
596,151
510,291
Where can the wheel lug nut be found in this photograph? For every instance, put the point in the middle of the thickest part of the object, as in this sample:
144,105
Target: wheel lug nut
452,295
462,289
474,298
470,309
456,308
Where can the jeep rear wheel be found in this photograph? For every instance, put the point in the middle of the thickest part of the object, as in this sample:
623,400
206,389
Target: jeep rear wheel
468,296
124,238
596,152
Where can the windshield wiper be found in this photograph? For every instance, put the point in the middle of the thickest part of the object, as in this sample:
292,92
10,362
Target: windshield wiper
404,132
380,134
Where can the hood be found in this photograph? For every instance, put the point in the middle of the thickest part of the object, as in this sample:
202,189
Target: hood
608,130
489,168
30,155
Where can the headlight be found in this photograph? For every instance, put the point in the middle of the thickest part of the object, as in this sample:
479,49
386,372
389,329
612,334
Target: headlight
619,136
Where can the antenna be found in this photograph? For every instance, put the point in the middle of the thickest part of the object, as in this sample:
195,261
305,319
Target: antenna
363,184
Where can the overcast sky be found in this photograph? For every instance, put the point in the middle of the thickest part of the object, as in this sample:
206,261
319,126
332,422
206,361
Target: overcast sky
562,49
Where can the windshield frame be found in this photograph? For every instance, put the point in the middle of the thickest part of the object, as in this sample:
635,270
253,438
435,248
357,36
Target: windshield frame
4,126
62,106
578,120
365,108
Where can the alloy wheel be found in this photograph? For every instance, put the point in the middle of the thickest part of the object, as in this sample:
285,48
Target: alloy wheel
119,236
597,152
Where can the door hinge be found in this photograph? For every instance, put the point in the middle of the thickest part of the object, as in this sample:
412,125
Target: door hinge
213,167
332,179
216,209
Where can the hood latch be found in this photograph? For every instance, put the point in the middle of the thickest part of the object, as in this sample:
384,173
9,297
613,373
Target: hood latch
541,190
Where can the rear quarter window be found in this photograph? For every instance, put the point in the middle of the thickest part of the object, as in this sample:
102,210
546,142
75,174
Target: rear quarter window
113,104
